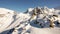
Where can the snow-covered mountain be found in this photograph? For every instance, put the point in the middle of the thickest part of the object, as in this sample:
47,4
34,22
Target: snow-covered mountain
29,23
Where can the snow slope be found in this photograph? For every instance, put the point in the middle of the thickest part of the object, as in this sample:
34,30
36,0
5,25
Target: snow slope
45,30
5,18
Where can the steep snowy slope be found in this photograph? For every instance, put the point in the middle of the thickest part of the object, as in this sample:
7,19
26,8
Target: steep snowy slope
6,17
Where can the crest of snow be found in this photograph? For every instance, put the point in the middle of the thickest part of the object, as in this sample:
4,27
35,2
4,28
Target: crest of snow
30,9
4,11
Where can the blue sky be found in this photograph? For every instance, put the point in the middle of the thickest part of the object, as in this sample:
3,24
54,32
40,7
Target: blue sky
23,5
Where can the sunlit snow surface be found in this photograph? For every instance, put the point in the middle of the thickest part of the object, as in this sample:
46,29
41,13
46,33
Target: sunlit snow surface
14,23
